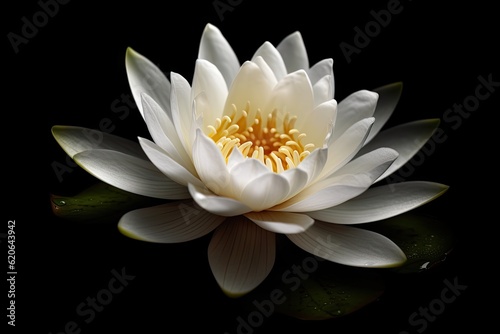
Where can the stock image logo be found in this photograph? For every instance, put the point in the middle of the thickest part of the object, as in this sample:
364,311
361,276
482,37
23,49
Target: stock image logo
88,309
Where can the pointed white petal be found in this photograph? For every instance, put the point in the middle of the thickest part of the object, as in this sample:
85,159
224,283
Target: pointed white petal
281,222
349,246
323,90
314,163
208,79
266,70
352,109
273,58
406,138
75,139
218,205
292,95
320,197
297,179
130,173
182,109
163,132
179,221
294,52
388,98
251,85
342,150
318,123
146,77
210,164
167,165
320,69
381,202
348,182
215,48
235,158
241,255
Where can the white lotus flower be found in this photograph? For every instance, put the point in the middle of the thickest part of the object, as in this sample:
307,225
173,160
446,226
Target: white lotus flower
261,148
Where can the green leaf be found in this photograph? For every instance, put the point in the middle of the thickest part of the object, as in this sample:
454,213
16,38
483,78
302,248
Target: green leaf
333,291
97,203
425,240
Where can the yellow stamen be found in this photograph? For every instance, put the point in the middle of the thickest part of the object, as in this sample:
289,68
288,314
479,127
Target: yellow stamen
260,139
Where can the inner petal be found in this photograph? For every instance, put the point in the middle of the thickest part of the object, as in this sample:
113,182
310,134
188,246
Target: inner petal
259,138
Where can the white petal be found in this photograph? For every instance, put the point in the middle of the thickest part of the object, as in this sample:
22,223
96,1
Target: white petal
352,109
268,72
320,69
167,165
215,48
218,205
320,197
182,109
381,202
241,255
349,246
348,182
210,164
75,139
369,162
208,79
387,100
235,158
406,138
342,150
250,85
323,90
318,123
294,52
146,77
244,173
163,132
281,222
169,223
292,95
265,191
297,179
130,173
273,58
314,163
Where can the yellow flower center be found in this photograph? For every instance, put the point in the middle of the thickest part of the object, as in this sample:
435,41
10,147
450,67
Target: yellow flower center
260,139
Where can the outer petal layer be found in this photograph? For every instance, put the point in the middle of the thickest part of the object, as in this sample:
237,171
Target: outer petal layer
406,138
146,77
215,48
75,139
349,245
130,173
241,255
388,98
381,202
169,223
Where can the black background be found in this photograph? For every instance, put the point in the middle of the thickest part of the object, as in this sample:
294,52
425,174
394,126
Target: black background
72,71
